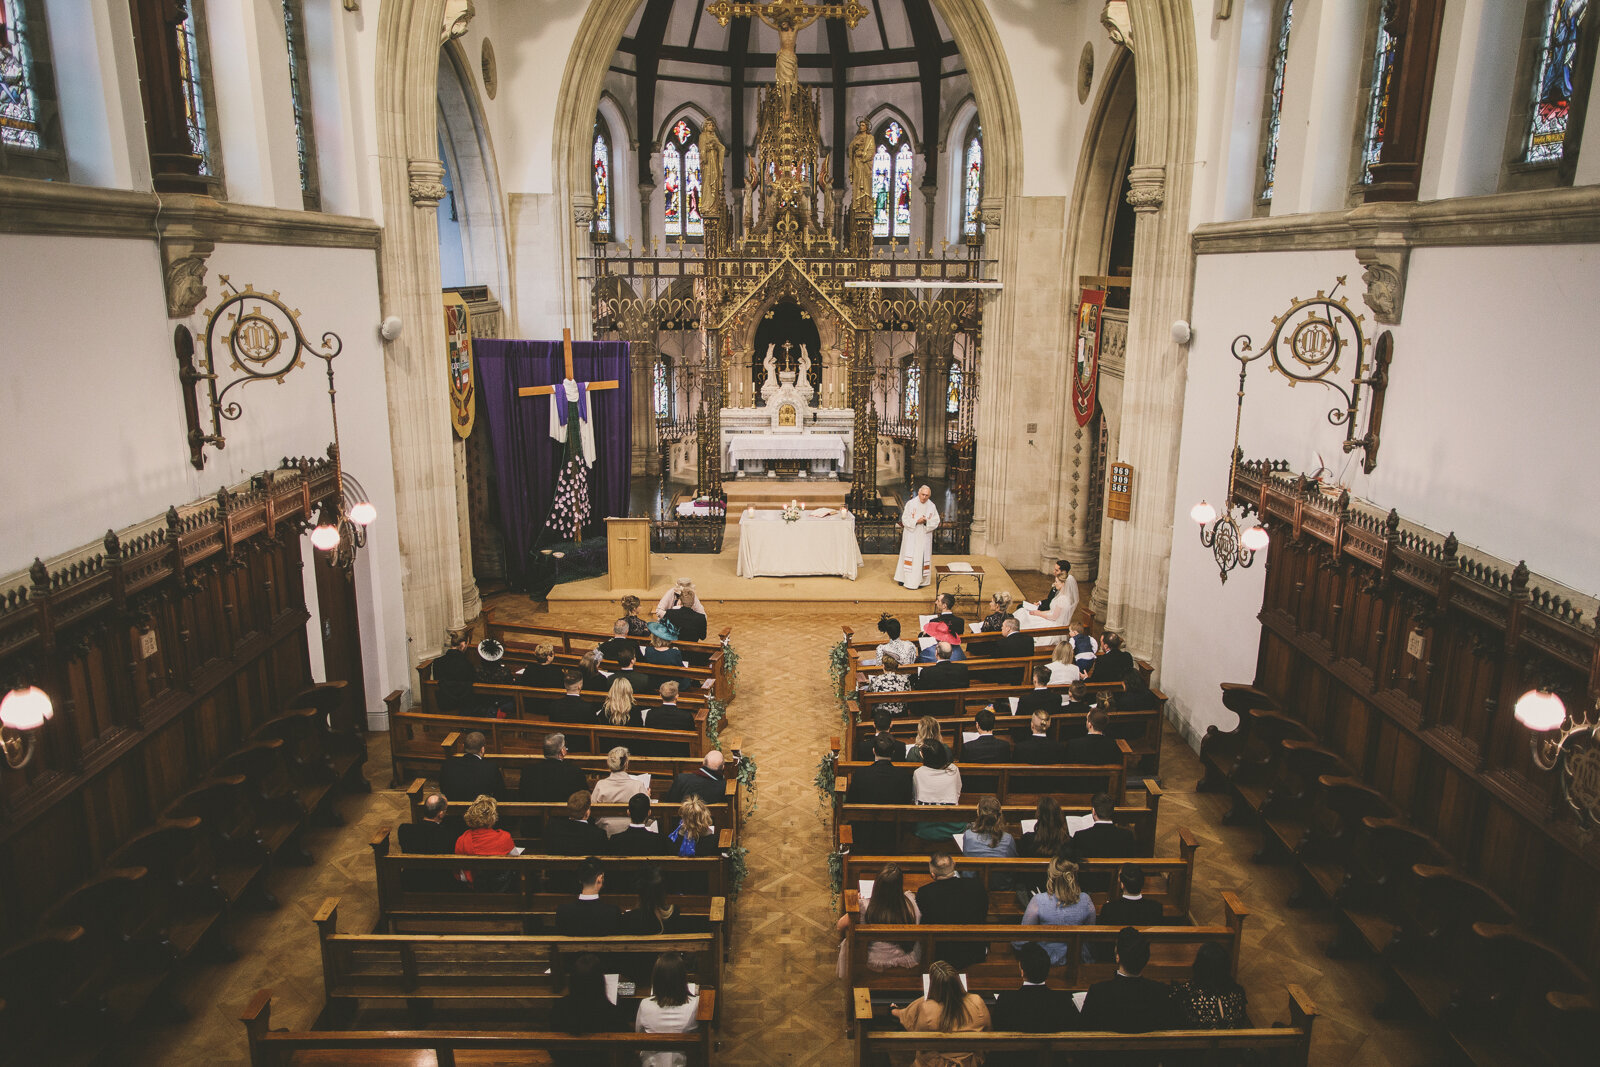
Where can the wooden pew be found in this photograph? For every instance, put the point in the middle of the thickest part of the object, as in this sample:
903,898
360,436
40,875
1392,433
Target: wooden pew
904,817
405,1048
1281,1046
575,641
1169,879
525,820
530,703
1020,782
422,968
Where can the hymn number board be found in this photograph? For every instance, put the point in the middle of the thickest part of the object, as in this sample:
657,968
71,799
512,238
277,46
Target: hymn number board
1119,492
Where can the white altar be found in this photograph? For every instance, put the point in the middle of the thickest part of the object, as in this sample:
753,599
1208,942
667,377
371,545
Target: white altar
789,427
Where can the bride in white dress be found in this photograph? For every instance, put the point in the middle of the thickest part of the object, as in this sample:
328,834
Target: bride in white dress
1063,605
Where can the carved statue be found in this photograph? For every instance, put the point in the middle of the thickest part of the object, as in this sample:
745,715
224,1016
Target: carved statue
805,371
712,153
770,366
788,64
862,148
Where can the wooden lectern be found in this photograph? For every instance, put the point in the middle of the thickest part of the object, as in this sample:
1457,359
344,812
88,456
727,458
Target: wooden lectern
628,552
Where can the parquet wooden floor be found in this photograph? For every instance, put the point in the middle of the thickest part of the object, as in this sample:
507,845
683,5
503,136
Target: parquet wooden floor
782,1003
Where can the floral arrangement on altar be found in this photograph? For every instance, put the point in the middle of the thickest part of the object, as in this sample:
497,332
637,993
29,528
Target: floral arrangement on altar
793,512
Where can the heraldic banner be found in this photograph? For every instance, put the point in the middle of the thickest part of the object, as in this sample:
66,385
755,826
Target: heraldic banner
458,356
1086,356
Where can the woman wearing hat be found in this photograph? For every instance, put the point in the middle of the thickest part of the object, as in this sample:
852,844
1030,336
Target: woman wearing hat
940,632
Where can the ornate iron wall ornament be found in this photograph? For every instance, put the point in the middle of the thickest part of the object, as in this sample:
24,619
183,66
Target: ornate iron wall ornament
1308,342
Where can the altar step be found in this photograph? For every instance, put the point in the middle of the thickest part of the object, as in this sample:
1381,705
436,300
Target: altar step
772,492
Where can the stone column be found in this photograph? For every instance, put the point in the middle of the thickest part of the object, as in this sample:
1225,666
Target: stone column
645,219
471,602
931,416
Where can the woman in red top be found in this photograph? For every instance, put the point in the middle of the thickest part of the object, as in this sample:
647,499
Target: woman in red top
481,838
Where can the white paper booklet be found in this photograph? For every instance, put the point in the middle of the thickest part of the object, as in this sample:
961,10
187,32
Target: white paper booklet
1079,822
926,981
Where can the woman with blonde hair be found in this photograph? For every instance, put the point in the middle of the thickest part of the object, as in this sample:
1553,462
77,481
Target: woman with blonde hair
1062,903
618,708
1063,665
1001,605
927,730
889,904
948,1008
543,672
681,606
637,627
695,836
481,837
615,788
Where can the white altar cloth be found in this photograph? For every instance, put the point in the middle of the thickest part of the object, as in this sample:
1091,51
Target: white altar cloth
769,546
747,446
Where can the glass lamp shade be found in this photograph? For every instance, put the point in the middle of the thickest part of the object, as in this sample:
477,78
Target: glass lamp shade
25,709
325,538
1254,539
363,514
1203,513
1540,710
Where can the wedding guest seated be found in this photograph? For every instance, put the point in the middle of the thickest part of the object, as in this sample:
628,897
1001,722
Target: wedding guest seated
986,747
1049,835
694,835
1096,746
927,730
1039,698
571,708
948,1008
705,781
637,627
1077,703
429,836
1104,838
944,613
637,839
941,635
888,680
654,916
667,717
1035,1008
552,778
880,783
1136,694
618,707
680,595
619,640
881,721
574,835
1038,747
1113,664
942,675
482,838
626,669
661,650
1062,667
889,905
586,1009
1012,644
543,672
904,651
468,774
1083,647
689,615
456,671
669,1009
952,901
1132,908
490,668
1129,1003
937,782
594,679
1210,999
1000,611
588,915
987,836
615,788
1062,903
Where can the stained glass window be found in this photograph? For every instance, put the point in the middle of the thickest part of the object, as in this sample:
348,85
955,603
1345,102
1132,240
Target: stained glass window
602,180
912,392
660,390
881,168
1280,65
300,96
902,191
891,182
972,183
952,403
680,188
194,101
1378,105
1552,88
19,97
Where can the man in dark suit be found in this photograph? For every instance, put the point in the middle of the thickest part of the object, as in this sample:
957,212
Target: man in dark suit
1035,1008
1011,644
942,675
588,916
668,716
705,781
571,708
881,720
949,900
573,834
1063,569
613,645
638,839
881,783
552,778
456,671
430,836
1128,1003
986,747
944,610
1039,698
626,657
1104,838
1038,747
1096,746
1132,908
469,776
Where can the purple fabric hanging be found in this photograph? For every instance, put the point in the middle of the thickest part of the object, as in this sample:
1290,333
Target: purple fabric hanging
526,458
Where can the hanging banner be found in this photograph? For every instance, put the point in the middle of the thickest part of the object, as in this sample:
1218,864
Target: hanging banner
458,354
1086,357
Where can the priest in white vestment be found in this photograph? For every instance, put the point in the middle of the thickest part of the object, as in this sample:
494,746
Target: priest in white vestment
920,519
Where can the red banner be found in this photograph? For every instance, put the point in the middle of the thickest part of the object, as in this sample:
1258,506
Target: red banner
1086,354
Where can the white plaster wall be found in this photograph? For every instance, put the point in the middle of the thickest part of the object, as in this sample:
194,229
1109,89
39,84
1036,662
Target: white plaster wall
103,127
1472,90
95,399
1484,429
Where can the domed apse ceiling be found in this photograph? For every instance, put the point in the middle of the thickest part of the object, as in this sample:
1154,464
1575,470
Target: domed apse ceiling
901,46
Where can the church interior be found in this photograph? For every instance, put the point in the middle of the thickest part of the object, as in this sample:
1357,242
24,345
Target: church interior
453,388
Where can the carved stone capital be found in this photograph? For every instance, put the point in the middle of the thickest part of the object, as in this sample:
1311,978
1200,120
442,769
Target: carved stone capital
457,14
583,209
183,269
1118,23
1384,275
1147,188
991,212
427,182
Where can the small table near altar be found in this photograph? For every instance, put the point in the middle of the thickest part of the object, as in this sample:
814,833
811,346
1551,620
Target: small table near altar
770,547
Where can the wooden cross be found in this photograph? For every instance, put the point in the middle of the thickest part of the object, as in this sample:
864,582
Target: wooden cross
546,390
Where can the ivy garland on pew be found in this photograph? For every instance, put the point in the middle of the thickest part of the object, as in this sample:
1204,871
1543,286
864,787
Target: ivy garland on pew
827,774
836,876
738,869
730,668
838,668
716,711
746,774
